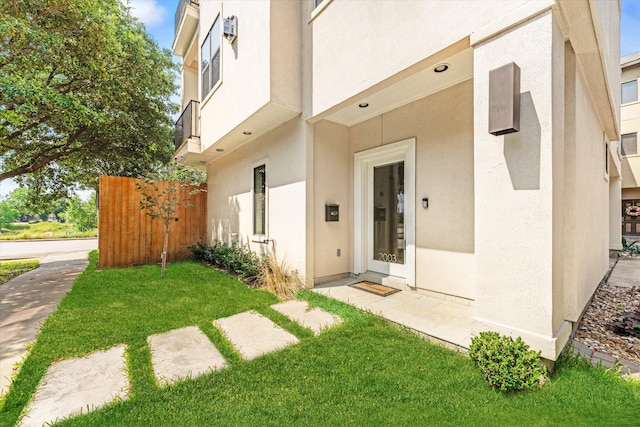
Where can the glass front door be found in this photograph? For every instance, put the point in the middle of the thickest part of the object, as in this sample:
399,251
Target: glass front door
384,209
386,225
388,213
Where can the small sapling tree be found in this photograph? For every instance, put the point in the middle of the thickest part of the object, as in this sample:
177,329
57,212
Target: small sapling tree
165,192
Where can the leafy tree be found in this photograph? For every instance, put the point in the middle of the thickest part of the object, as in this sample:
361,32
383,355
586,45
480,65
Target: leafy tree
84,91
82,214
8,212
165,192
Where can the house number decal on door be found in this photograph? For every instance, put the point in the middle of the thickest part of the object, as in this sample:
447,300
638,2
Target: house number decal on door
387,257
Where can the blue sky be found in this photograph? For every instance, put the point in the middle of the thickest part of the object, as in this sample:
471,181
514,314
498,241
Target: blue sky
158,17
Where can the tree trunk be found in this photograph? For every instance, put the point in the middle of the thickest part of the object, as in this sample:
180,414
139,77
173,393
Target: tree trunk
164,250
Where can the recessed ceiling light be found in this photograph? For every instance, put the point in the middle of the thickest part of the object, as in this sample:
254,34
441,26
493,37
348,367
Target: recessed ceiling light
246,132
440,68
363,105
219,150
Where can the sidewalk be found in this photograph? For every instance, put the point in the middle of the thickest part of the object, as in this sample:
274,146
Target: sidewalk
27,300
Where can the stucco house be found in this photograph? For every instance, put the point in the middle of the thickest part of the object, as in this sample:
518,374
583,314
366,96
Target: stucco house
630,127
464,148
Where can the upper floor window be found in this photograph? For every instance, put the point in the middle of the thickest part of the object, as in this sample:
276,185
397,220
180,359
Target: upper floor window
210,56
630,144
630,91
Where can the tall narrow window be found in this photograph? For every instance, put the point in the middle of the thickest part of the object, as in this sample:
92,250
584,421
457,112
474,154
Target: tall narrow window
259,200
630,144
629,92
210,57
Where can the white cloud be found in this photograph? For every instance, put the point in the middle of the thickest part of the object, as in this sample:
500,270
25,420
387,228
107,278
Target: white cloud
148,11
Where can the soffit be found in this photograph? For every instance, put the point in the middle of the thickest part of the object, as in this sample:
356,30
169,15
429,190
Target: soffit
418,85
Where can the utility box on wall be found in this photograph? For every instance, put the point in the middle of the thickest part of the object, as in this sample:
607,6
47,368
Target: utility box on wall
331,212
504,99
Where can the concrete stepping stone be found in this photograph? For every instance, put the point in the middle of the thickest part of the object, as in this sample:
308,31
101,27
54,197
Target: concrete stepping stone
253,335
183,353
314,318
78,386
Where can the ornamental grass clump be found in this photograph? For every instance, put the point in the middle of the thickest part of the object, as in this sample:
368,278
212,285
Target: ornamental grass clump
507,365
276,277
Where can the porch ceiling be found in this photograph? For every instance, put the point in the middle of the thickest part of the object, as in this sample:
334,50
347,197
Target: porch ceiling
418,85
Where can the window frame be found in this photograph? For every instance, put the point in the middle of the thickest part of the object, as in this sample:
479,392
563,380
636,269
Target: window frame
622,151
212,85
622,102
264,236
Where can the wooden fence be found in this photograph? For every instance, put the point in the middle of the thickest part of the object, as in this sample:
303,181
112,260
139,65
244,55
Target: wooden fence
127,236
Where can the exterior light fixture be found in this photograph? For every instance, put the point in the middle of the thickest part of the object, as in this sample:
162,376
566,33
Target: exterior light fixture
363,105
504,99
440,68
219,150
246,132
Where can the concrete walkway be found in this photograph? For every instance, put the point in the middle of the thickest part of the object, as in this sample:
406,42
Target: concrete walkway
626,272
83,384
27,300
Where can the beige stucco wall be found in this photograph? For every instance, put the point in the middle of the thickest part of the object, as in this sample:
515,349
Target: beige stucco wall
378,41
591,206
230,202
630,122
443,126
332,163
261,66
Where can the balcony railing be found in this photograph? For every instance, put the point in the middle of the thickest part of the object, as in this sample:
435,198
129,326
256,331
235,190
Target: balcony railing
187,125
181,5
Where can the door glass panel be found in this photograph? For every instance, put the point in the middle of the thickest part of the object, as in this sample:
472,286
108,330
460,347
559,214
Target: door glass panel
388,213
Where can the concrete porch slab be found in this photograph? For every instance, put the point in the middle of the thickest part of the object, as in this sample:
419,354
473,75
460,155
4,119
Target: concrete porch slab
253,335
314,318
78,386
183,353
438,319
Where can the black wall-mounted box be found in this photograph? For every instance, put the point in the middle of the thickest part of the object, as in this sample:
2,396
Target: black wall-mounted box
331,212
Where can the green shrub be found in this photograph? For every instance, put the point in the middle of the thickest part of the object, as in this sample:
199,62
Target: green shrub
632,249
507,365
234,258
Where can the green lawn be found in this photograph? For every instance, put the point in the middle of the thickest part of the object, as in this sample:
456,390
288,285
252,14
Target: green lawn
362,372
42,230
11,269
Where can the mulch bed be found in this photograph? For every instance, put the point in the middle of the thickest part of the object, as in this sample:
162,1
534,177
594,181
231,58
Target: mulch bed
596,330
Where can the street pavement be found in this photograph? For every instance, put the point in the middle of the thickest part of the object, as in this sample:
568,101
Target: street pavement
28,299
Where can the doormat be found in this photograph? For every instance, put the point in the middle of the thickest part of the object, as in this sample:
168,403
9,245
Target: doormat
374,288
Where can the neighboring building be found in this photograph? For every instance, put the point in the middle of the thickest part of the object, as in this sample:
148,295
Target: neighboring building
382,108
630,127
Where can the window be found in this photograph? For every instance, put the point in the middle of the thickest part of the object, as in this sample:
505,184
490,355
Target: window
260,200
630,91
630,144
606,160
210,57
317,2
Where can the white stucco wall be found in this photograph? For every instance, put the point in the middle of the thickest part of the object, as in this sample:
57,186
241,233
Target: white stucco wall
514,189
230,202
261,66
375,42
